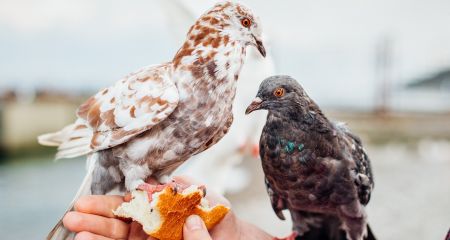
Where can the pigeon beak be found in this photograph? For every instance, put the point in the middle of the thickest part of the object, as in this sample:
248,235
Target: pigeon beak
260,46
255,105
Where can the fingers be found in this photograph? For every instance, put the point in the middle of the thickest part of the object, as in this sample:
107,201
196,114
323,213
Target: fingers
136,232
195,229
230,221
107,227
128,197
98,204
94,219
90,236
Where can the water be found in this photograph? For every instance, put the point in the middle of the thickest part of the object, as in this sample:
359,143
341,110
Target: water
34,195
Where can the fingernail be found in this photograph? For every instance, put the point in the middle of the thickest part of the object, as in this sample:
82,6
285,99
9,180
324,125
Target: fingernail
194,222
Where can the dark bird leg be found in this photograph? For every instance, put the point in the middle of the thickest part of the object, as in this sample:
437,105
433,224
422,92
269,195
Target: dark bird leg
324,233
371,236
317,226
304,221
355,226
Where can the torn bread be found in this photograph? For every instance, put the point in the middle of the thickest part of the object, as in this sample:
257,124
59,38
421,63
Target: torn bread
164,216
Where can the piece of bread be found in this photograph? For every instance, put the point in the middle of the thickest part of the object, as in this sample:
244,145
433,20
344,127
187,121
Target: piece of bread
164,217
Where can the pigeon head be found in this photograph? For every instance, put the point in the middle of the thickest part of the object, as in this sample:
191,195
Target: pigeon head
281,94
244,26
233,20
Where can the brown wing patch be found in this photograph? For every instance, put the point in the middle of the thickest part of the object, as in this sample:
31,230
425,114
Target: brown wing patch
79,127
143,79
150,101
83,110
108,118
120,133
95,142
93,116
132,106
74,138
132,109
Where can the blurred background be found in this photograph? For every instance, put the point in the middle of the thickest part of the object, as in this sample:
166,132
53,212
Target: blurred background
381,66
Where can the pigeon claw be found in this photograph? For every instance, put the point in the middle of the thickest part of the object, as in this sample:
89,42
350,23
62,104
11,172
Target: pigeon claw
203,189
176,187
150,189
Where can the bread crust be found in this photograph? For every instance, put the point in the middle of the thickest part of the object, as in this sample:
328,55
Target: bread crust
174,207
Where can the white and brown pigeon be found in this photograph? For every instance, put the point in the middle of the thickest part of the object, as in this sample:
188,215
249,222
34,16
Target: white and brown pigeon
242,140
316,169
153,120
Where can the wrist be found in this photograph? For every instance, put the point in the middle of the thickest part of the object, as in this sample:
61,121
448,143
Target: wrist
249,231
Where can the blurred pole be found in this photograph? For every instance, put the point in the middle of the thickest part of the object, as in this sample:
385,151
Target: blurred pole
383,73
2,137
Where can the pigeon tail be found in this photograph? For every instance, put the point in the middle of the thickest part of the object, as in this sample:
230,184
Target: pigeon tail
59,232
55,139
72,141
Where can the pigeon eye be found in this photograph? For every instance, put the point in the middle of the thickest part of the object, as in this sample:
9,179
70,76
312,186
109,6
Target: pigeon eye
279,92
246,22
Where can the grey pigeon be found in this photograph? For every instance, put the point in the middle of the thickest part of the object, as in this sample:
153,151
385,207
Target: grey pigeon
150,122
315,168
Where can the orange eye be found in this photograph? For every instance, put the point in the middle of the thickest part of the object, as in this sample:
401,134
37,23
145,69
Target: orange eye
279,92
246,22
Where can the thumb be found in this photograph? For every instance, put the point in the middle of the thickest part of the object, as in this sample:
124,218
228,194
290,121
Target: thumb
195,229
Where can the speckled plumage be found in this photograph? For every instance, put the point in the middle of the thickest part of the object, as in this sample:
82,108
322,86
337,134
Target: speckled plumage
151,121
315,168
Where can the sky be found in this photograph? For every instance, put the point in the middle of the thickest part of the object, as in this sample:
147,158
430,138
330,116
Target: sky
328,46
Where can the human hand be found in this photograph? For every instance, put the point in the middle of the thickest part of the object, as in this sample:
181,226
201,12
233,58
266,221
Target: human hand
93,219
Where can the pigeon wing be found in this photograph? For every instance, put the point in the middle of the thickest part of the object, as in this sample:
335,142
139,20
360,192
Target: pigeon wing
278,203
362,173
132,106
364,177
